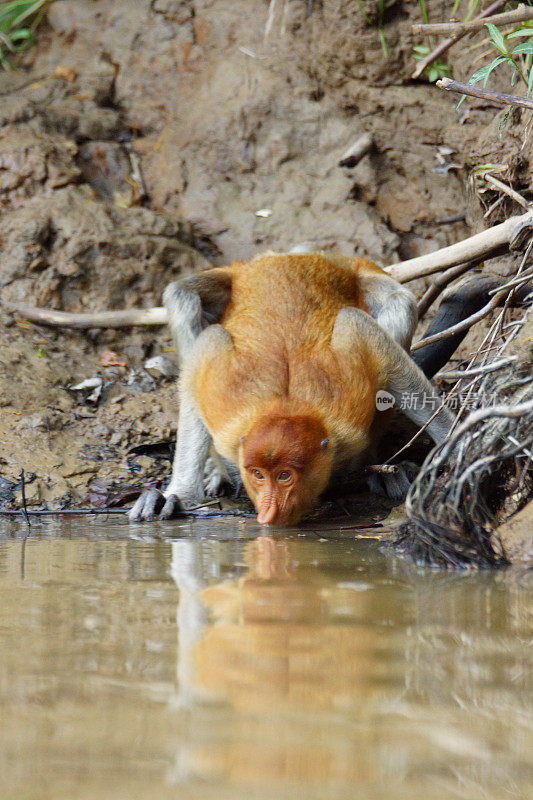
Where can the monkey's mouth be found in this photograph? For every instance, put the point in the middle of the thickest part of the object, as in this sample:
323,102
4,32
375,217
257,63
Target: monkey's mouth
271,516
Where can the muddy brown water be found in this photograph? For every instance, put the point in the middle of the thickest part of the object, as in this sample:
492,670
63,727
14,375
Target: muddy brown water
208,660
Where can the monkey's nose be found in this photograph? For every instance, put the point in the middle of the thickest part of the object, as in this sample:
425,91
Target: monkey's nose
267,513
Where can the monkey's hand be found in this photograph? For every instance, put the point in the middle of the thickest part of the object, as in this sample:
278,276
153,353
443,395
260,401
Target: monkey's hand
215,480
395,484
152,503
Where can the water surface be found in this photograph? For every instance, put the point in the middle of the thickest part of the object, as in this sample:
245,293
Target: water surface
209,660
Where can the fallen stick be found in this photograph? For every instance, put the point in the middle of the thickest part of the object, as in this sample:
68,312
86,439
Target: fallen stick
520,14
474,248
98,319
481,245
447,43
357,151
484,94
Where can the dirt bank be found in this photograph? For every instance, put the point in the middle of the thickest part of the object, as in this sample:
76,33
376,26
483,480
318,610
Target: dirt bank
139,141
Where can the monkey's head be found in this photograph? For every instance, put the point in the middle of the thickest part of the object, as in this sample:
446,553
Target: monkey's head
285,463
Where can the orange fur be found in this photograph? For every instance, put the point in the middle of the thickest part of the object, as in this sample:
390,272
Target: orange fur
282,386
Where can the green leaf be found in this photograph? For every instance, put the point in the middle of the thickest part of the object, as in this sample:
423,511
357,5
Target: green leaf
23,39
523,47
496,37
473,6
530,81
12,14
483,73
504,120
525,30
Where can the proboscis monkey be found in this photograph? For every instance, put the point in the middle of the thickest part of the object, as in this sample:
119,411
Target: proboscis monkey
282,358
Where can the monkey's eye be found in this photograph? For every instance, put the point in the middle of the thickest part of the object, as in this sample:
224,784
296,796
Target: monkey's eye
285,476
258,475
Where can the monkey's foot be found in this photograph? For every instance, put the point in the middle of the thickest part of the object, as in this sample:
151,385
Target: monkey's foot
152,503
394,485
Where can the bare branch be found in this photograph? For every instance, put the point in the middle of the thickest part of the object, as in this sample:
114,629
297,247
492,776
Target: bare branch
99,319
479,246
458,374
447,43
520,14
484,94
438,286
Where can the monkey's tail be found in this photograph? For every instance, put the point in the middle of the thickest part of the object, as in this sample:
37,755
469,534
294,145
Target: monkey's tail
456,305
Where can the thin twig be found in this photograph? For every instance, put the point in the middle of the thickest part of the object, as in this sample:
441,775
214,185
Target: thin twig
518,280
382,469
418,433
357,151
447,43
520,14
508,191
59,512
484,94
482,370
23,492
461,326
438,286
197,511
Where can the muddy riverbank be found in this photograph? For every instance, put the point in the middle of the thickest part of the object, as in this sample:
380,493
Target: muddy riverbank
139,141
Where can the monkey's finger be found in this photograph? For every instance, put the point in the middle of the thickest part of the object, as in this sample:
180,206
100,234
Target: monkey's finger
171,507
152,500
135,513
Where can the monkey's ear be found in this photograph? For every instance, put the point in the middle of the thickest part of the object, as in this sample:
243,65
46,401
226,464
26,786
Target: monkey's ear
324,443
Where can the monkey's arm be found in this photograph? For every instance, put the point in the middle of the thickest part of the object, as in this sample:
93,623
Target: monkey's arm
413,393
193,442
193,304
186,484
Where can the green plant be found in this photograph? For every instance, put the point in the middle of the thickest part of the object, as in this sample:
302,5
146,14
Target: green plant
438,69
381,32
519,58
18,21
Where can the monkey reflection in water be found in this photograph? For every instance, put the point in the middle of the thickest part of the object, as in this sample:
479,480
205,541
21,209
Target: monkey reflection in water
294,666
281,361
267,642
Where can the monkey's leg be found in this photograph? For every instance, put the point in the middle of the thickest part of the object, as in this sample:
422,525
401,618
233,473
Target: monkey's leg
392,306
195,302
